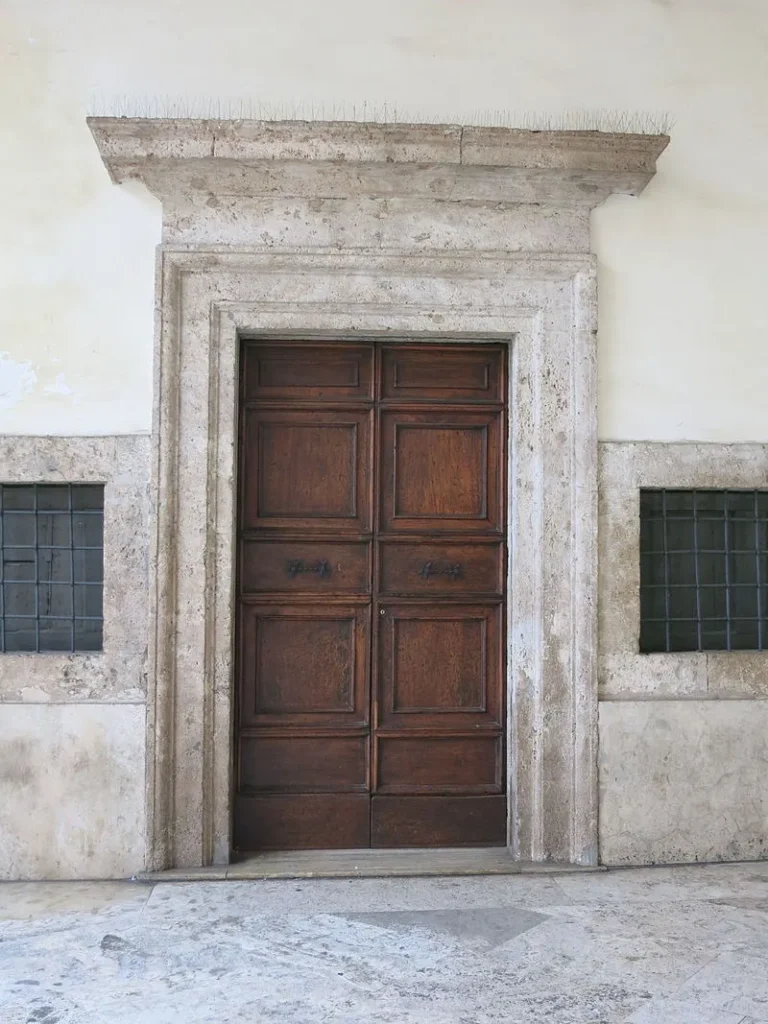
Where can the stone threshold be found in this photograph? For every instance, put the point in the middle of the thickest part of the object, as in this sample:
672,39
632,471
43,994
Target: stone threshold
367,864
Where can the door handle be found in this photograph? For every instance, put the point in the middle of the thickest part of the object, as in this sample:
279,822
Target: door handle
298,565
453,571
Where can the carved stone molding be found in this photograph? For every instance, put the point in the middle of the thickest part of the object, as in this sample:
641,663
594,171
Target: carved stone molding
343,159
345,231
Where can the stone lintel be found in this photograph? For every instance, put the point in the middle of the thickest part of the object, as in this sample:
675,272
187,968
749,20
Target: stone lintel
345,159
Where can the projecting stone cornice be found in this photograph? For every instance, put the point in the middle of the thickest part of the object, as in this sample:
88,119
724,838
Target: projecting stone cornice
338,160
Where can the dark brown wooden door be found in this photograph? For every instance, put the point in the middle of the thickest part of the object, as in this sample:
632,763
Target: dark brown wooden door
371,596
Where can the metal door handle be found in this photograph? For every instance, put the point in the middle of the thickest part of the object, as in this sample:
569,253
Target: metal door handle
429,569
298,565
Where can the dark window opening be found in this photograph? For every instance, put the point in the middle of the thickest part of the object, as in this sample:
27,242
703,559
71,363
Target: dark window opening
52,567
703,570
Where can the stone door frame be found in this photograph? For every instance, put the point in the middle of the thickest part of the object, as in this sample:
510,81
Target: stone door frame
545,309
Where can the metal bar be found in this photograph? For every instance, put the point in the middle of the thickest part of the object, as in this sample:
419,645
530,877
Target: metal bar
61,547
72,567
37,570
699,644
2,569
759,576
56,618
690,618
667,595
704,586
727,532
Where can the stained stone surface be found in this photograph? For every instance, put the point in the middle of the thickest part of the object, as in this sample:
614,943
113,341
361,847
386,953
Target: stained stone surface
483,924
683,780
71,791
642,946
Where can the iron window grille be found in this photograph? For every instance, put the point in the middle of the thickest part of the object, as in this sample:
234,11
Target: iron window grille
52,567
703,570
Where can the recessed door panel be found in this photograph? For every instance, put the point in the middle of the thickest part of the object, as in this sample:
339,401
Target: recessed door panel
439,764
442,373
308,469
402,821
441,568
302,821
439,667
305,566
440,472
299,763
304,665
311,372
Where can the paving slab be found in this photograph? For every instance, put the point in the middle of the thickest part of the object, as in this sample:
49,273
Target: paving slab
647,946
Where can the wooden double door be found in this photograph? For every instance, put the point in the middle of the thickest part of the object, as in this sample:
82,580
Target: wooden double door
371,596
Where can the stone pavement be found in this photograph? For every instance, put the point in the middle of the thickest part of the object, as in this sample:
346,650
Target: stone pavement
684,945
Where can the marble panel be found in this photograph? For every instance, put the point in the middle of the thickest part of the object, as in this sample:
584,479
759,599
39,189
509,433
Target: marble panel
72,791
683,781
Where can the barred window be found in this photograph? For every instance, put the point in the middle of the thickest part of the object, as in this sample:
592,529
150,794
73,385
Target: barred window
703,570
52,571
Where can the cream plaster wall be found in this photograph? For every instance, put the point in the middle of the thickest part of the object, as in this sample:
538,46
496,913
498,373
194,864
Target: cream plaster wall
683,326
